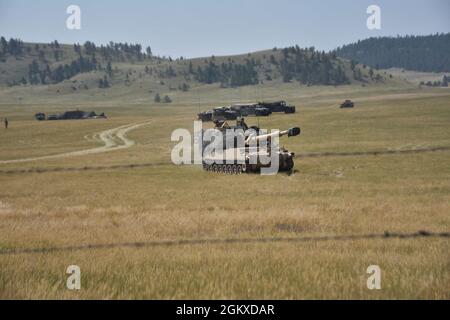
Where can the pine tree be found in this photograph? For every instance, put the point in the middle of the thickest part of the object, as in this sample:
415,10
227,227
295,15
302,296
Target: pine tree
105,82
421,53
4,45
109,69
184,87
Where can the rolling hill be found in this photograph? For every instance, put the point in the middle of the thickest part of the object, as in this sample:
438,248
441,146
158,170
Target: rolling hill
66,68
418,53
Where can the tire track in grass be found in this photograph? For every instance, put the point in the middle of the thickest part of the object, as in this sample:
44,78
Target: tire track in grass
155,164
107,137
370,153
187,242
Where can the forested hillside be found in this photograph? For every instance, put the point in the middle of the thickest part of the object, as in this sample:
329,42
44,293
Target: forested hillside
419,53
86,66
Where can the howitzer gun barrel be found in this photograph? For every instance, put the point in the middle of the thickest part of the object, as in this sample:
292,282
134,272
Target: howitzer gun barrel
291,132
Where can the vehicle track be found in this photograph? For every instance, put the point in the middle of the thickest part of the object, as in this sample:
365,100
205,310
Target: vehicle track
108,137
218,241
371,153
299,155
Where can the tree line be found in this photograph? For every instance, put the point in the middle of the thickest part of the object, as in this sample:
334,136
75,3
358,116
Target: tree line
437,83
420,53
310,67
13,47
42,73
306,66
117,51
228,74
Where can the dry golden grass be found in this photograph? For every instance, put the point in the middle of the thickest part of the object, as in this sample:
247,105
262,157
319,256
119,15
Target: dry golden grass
353,195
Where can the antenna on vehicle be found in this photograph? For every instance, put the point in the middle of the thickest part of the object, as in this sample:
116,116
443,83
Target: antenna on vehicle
261,93
231,93
239,93
198,98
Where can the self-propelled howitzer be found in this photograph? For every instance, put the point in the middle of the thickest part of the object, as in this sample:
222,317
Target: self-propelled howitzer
253,156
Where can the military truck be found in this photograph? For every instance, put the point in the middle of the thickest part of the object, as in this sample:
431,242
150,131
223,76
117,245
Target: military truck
244,110
75,115
224,113
40,116
262,112
277,106
205,116
347,104
249,109
53,117
260,109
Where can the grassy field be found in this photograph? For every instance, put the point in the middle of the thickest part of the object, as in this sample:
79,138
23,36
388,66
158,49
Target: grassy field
334,195
414,76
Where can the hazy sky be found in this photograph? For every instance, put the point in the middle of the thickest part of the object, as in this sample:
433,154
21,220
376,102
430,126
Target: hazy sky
204,27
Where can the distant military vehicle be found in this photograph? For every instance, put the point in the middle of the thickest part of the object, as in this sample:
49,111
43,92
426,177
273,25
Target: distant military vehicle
277,106
53,117
347,104
262,112
77,115
249,109
205,116
102,115
244,110
40,116
250,151
260,109
224,113
72,115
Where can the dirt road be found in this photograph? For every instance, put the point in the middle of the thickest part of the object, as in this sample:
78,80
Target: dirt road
113,139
